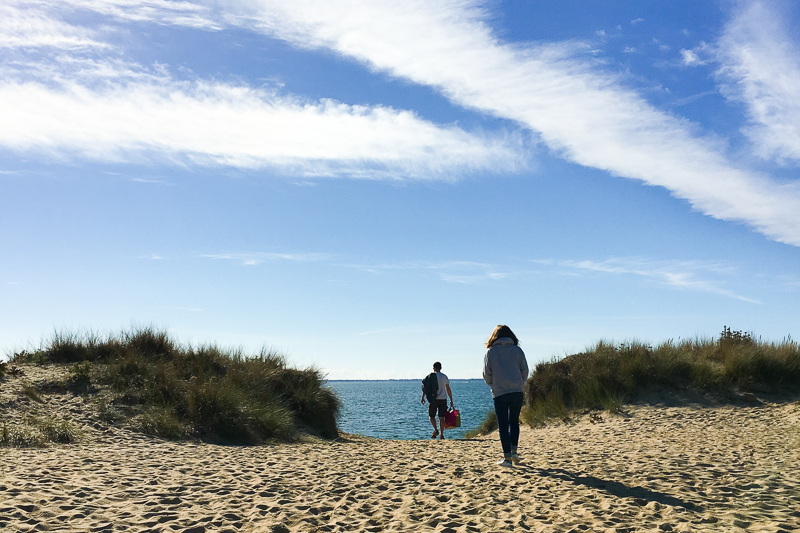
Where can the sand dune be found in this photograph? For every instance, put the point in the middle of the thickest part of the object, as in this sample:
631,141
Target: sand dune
668,468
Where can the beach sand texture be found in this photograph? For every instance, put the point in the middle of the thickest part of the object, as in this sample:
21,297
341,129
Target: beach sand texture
667,468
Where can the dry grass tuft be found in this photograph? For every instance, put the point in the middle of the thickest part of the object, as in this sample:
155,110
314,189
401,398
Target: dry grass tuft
36,431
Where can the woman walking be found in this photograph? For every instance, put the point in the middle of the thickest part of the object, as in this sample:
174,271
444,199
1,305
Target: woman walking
505,370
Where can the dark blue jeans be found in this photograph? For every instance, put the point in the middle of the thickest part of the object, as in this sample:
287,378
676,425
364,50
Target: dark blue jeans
507,408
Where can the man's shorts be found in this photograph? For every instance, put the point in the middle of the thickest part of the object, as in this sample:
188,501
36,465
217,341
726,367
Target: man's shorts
437,405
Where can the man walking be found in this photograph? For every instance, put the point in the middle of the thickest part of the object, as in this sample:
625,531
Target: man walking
438,403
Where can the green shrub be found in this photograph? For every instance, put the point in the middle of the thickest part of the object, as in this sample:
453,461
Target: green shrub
37,357
80,374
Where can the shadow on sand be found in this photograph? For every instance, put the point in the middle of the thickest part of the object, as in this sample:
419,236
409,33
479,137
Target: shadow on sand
615,488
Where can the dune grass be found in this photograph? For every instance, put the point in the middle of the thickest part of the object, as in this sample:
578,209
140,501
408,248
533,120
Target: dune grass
37,431
174,391
488,425
608,376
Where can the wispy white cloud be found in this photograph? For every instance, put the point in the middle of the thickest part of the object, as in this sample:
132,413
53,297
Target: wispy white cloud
582,113
664,47
420,265
558,91
26,25
153,181
696,276
677,274
760,67
690,57
693,98
219,124
461,272
472,279
103,107
256,258
453,271
698,56
165,12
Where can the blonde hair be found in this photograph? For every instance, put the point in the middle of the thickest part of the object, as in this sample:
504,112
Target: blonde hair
499,332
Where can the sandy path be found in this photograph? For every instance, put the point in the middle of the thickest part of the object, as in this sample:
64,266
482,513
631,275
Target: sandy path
658,469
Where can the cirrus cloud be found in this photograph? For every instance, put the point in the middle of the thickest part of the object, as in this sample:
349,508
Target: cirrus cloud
67,94
558,92
760,67
220,124
581,112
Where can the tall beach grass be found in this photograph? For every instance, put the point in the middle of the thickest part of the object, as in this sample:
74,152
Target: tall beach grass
176,391
607,376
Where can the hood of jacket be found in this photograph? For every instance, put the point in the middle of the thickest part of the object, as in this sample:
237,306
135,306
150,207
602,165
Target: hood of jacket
503,341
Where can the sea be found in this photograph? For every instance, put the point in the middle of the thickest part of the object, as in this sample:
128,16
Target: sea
392,410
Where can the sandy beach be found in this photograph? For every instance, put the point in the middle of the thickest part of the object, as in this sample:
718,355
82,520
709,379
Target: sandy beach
691,467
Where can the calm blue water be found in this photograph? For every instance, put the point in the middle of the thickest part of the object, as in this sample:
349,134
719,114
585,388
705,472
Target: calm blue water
391,409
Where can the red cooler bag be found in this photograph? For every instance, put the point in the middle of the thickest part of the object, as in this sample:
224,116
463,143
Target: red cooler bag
452,419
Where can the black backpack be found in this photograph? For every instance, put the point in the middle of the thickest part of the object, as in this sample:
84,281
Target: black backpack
430,385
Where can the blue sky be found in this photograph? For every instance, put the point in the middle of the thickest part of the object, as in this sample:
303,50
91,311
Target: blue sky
370,187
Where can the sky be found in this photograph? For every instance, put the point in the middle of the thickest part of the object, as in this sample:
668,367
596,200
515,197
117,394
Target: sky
369,187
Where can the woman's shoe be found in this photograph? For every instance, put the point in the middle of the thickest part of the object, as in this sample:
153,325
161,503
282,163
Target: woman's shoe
506,463
515,458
